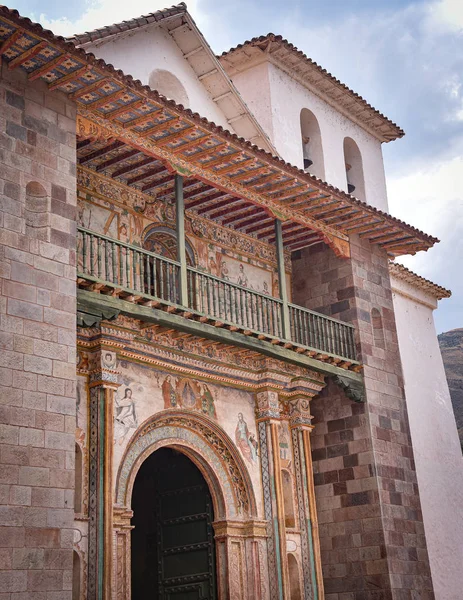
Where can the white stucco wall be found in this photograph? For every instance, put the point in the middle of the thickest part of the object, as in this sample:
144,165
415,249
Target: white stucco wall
138,54
438,459
267,89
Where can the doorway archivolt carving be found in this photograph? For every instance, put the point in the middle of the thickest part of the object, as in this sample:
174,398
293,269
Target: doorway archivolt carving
207,445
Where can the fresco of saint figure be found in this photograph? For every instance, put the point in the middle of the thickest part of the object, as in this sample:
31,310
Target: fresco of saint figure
242,278
207,402
188,396
245,441
168,393
125,417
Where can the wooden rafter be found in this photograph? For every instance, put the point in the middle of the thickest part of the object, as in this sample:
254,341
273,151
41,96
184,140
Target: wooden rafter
86,89
122,110
158,127
235,219
191,144
107,99
157,183
210,149
134,166
172,137
143,119
47,67
117,159
237,206
145,175
206,199
27,55
101,152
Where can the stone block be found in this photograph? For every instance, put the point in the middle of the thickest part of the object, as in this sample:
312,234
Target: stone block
44,457
28,558
34,476
48,497
20,495
37,364
12,537
49,421
44,580
59,441
25,310
31,437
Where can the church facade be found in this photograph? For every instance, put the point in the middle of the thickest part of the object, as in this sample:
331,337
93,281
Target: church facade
258,407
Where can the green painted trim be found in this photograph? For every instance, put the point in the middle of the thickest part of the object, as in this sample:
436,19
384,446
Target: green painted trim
181,246
313,571
285,321
101,492
92,301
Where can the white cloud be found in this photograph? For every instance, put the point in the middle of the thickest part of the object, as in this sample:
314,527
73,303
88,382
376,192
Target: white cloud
106,12
447,14
432,199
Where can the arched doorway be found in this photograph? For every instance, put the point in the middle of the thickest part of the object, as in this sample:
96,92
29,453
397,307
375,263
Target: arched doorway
172,545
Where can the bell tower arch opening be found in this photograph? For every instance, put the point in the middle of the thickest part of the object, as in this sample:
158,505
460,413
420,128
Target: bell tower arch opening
312,148
173,550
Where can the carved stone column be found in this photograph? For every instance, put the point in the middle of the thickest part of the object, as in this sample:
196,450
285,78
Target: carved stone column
241,574
268,415
122,568
103,383
301,426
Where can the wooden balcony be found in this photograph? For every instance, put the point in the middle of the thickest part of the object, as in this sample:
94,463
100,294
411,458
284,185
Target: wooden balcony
130,273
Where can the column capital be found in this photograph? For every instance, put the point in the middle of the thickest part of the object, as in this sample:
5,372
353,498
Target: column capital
299,412
102,369
267,405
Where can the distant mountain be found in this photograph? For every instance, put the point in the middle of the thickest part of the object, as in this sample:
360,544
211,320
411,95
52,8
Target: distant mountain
451,346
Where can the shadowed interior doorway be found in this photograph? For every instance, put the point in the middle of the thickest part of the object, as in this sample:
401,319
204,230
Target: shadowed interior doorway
173,553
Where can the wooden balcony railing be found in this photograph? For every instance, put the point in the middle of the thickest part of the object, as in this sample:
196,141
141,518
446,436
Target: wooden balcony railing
135,272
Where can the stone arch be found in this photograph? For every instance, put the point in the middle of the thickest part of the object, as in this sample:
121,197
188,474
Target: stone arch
170,86
294,578
163,240
207,446
313,148
288,498
37,211
76,575
354,169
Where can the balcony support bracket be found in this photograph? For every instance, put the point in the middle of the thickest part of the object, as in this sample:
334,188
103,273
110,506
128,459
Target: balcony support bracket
355,390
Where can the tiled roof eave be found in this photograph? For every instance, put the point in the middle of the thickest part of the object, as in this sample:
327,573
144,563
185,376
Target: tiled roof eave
403,238
88,37
386,130
429,287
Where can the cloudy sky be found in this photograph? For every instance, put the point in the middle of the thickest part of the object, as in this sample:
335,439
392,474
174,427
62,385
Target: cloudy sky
405,57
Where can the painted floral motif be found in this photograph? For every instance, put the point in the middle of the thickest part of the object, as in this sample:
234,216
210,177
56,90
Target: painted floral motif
245,440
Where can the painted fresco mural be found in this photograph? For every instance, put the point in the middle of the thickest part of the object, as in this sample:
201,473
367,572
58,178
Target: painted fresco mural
145,391
108,208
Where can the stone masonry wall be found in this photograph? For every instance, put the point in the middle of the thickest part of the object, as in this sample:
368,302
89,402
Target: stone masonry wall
37,339
371,529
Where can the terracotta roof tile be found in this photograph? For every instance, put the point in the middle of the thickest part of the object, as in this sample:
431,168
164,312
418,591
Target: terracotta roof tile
271,37
239,142
404,274
109,30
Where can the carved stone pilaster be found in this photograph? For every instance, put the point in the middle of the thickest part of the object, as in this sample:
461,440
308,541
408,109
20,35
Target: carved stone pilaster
239,559
268,415
301,426
102,383
121,523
